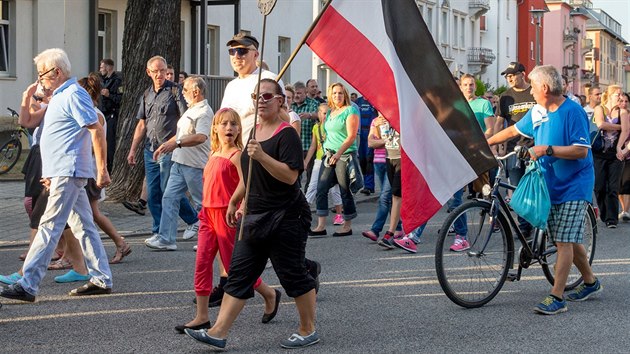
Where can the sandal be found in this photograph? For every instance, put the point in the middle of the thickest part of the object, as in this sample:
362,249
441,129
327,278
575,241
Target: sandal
60,265
56,257
121,252
22,257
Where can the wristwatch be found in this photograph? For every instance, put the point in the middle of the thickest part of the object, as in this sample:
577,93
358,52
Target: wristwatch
549,150
179,143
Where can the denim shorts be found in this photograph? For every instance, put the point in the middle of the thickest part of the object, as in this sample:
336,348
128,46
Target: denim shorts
566,221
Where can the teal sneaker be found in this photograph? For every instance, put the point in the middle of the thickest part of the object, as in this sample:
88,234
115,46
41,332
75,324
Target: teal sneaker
583,292
10,279
551,306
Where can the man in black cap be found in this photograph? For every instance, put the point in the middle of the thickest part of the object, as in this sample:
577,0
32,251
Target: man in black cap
513,105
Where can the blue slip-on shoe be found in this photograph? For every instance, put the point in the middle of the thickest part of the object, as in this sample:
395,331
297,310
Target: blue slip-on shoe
583,292
71,276
298,341
551,306
202,336
10,279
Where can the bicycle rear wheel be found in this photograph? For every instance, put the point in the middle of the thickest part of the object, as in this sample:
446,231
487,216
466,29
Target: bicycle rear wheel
473,277
9,155
589,241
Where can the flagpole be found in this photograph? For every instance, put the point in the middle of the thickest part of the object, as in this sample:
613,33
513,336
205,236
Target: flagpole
265,8
303,40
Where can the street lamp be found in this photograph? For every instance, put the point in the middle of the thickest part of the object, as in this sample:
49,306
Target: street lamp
538,14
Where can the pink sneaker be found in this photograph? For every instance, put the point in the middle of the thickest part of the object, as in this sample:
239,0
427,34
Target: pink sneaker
460,244
338,220
399,234
406,244
370,234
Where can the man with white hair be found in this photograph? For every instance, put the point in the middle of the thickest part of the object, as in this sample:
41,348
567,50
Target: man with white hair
562,146
71,132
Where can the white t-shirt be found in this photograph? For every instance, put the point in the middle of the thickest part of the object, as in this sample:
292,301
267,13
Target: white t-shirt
238,97
294,117
196,120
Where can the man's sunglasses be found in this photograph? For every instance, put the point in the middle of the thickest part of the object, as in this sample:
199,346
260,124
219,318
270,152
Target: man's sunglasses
239,51
44,74
266,97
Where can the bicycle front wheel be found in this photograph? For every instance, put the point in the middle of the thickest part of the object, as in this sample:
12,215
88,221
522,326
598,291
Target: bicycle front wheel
9,155
589,241
474,276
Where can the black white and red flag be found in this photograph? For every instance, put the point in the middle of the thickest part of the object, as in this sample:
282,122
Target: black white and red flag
384,49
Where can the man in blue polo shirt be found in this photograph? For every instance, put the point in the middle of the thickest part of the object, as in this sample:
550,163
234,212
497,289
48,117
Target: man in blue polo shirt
561,144
71,132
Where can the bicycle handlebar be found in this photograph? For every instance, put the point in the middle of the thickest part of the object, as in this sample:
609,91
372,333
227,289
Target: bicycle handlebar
13,113
501,158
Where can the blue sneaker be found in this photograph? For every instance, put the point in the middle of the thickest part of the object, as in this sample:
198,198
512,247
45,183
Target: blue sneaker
551,306
202,336
298,341
71,276
10,279
583,292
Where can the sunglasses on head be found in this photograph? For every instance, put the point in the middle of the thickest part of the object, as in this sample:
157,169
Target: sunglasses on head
239,51
266,97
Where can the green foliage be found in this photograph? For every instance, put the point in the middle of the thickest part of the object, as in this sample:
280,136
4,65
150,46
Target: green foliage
481,87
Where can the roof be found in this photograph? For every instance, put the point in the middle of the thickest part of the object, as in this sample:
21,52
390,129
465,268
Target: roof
596,22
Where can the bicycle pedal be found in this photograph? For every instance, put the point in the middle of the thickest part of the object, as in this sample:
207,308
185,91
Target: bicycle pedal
512,276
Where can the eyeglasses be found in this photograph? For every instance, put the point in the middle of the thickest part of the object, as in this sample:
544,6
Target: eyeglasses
266,97
239,51
155,72
41,76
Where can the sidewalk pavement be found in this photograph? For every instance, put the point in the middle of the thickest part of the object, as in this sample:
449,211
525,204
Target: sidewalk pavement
14,229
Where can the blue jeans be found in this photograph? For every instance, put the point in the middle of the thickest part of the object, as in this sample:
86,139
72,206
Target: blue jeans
157,173
328,177
68,202
384,199
461,228
182,178
415,234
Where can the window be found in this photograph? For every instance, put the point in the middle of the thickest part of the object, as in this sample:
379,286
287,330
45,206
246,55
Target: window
531,49
444,28
462,33
507,11
5,53
507,47
456,31
182,47
429,19
105,41
213,50
284,52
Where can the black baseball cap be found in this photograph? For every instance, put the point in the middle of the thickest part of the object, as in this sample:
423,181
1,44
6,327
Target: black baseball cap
513,68
243,39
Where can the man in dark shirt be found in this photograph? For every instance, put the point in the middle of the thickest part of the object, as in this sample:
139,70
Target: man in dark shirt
306,108
111,95
514,103
366,155
161,105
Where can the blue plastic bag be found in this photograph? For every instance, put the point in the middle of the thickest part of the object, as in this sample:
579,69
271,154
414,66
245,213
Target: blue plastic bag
531,198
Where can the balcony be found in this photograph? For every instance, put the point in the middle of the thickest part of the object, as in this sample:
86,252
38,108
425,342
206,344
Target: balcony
586,75
478,7
479,59
570,37
587,45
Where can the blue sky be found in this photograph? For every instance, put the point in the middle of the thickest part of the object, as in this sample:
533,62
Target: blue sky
619,10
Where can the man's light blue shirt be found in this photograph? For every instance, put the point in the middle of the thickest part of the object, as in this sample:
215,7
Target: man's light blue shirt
66,145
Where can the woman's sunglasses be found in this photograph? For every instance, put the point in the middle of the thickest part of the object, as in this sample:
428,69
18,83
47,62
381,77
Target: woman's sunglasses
266,97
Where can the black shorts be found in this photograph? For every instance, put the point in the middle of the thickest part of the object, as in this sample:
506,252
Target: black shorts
625,179
39,207
93,192
32,171
393,175
286,249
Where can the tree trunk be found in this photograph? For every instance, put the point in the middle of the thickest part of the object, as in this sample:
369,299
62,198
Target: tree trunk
152,27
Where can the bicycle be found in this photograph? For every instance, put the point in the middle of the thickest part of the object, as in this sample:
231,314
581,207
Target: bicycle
474,277
12,149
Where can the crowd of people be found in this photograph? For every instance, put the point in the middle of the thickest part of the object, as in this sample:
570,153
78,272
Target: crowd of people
196,167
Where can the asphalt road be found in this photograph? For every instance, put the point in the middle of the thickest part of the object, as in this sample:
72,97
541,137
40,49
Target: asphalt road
371,301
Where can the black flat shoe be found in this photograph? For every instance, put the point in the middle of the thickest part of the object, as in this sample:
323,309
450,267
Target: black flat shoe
89,289
269,316
317,233
347,233
16,292
180,329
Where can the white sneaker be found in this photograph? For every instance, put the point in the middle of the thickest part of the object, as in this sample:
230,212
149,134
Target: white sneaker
624,216
195,248
158,245
191,231
152,238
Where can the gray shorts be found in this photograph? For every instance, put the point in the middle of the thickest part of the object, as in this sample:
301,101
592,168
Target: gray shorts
566,221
